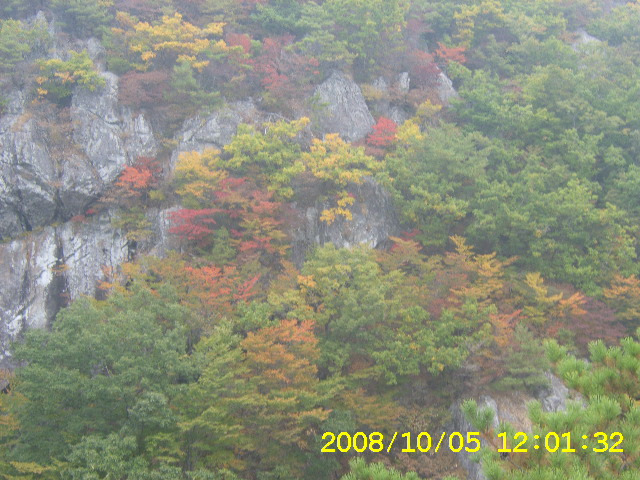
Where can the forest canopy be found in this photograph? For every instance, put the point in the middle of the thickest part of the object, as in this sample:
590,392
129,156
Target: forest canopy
514,255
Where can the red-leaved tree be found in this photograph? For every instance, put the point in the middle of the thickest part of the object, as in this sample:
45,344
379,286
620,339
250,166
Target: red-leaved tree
450,54
423,69
143,89
285,74
384,133
239,40
247,212
194,225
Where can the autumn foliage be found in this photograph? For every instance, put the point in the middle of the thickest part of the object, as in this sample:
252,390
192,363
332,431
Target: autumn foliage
384,133
423,69
143,89
194,225
450,54
283,72
624,297
136,180
503,207
239,40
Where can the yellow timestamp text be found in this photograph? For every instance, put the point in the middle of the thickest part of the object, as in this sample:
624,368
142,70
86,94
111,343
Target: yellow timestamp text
408,442
553,442
519,442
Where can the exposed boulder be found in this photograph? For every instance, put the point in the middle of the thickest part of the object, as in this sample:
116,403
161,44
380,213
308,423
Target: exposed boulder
583,38
381,84
384,106
459,423
444,87
403,82
344,110
374,220
554,398
161,241
398,114
390,103
216,130
96,52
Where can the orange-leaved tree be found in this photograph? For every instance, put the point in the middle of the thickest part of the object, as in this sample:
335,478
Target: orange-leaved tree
168,41
258,401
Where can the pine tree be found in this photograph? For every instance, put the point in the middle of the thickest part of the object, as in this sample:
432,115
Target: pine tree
360,470
610,388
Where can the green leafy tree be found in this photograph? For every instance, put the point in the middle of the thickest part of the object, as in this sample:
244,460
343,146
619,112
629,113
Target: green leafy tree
17,41
525,363
58,77
287,16
257,400
314,27
560,233
366,26
187,90
83,17
337,164
434,177
20,8
618,26
106,368
272,155
370,324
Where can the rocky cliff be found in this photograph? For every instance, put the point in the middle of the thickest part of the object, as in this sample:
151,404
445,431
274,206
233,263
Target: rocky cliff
215,130
374,220
45,270
52,169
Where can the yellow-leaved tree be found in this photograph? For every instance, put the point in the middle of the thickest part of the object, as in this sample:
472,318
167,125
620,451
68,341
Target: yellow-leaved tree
169,41
198,176
338,163
624,297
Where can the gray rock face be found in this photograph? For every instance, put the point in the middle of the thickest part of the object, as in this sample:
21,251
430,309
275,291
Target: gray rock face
381,84
345,111
555,397
27,174
44,271
161,240
374,220
38,187
445,88
216,130
583,38
384,107
459,423
47,270
111,139
403,82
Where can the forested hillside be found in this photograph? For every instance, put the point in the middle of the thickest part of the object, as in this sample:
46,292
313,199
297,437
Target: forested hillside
228,227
